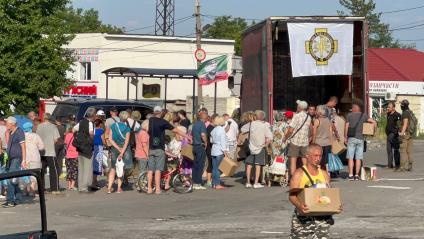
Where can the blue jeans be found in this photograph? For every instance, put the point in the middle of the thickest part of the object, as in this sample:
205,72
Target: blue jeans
13,191
199,153
216,161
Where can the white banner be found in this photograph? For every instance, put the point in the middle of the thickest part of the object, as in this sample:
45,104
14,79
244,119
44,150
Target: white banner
321,48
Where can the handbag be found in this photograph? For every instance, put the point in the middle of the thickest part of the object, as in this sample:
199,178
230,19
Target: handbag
245,146
351,131
337,147
365,145
334,163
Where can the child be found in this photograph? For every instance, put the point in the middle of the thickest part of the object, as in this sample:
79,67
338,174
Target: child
99,141
71,160
173,151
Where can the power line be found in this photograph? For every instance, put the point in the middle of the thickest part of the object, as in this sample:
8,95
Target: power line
249,19
413,40
406,28
410,23
403,10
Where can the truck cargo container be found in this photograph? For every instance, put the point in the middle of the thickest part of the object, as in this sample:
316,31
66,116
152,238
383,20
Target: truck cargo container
268,83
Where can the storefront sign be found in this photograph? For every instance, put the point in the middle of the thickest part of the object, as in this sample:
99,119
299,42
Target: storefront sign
397,87
81,91
86,55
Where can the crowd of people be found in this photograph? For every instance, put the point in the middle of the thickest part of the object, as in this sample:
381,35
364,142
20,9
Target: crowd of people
116,145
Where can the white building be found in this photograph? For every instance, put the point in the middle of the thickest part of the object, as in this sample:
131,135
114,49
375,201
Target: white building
96,52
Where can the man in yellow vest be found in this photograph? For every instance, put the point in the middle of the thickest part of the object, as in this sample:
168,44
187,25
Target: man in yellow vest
304,226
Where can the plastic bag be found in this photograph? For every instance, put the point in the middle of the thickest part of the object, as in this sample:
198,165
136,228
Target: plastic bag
278,166
334,163
105,159
119,168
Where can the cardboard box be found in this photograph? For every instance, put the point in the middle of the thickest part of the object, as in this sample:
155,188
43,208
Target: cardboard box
320,201
368,173
368,129
338,147
228,166
187,152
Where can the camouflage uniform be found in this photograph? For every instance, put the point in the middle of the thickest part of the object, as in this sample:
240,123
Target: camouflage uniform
309,227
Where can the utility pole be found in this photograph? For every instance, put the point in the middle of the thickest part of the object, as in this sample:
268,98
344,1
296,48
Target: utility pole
199,100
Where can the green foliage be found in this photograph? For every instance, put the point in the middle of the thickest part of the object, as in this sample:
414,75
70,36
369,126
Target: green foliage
226,27
379,33
86,21
33,63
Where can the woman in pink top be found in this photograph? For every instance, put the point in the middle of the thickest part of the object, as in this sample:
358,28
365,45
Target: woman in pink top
71,159
142,147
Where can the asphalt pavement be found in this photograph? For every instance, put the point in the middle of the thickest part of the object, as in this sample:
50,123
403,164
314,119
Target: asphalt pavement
391,207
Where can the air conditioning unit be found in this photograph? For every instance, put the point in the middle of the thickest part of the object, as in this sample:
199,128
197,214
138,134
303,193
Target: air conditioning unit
390,96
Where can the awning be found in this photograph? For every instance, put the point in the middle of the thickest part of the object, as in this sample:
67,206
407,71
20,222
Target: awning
151,72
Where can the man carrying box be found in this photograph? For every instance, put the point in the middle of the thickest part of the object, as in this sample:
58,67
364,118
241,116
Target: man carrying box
309,176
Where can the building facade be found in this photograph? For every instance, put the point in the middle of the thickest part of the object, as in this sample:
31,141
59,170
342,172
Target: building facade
97,52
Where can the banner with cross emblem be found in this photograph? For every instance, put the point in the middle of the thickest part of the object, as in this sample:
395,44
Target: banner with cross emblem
321,48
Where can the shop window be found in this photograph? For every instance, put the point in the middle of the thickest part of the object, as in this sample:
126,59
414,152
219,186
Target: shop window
85,71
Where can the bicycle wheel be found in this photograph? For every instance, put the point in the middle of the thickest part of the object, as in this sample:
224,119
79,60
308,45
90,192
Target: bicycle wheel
182,184
142,183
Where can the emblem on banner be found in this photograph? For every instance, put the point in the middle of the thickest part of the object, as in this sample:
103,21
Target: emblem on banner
321,46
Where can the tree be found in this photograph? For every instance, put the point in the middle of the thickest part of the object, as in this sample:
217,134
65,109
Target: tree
379,33
33,63
226,27
86,21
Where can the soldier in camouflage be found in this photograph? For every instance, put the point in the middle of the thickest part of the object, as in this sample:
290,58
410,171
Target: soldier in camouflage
307,226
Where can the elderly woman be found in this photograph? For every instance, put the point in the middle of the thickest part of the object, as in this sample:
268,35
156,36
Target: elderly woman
219,143
322,134
34,145
119,137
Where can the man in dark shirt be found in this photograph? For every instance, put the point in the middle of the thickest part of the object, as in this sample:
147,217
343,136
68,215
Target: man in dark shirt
392,132
17,159
156,161
406,137
200,143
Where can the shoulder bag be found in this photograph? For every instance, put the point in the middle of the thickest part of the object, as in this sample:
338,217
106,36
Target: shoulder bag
351,131
245,146
297,131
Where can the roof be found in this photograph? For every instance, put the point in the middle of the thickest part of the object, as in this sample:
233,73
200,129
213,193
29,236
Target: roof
151,72
390,64
152,37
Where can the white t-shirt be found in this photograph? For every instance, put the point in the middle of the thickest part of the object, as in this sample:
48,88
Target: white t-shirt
91,127
260,132
131,123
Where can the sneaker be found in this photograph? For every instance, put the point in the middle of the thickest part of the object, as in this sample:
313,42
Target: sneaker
357,178
9,205
350,178
248,185
258,185
209,184
2,197
198,187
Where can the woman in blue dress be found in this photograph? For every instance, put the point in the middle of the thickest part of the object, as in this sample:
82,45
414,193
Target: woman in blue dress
99,141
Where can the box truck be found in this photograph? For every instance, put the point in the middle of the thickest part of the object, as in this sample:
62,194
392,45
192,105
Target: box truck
268,83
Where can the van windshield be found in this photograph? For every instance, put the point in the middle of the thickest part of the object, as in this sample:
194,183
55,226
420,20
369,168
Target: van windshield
65,110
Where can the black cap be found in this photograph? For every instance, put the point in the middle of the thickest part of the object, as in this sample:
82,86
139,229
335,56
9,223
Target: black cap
113,109
404,102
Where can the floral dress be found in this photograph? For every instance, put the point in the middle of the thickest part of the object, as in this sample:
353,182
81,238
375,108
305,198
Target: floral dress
278,146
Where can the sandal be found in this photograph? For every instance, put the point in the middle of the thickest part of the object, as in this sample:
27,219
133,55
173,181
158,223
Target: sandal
109,191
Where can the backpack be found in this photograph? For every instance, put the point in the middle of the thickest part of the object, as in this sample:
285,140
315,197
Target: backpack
82,140
412,123
132,142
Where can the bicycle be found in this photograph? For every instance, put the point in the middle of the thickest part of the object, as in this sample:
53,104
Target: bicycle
179,181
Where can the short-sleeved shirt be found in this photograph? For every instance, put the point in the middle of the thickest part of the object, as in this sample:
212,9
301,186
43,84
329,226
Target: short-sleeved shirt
142,145
14,149
71,151
110,121
355,118
49,134
301,138
185,122
259,132
119,132
157,127
98,136
406,114
198,128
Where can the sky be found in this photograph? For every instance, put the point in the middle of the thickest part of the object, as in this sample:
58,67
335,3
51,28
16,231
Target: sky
136,14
